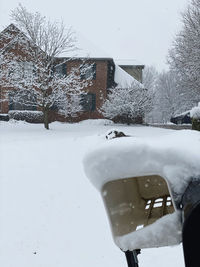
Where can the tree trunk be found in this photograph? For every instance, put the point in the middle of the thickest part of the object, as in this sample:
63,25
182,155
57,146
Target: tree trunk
46,118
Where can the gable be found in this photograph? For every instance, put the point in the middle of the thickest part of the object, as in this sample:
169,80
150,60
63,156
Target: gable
7,35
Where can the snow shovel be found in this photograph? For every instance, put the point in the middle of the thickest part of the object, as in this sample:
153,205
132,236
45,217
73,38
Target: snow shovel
131,205
148,191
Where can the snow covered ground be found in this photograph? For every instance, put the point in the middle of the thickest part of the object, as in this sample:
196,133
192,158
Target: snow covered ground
50,214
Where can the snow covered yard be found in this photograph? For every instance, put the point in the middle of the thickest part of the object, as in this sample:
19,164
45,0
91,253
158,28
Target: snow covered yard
50,214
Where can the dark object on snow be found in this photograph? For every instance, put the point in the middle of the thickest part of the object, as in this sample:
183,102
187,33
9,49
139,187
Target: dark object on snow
114,134
4,117
191,224
183,118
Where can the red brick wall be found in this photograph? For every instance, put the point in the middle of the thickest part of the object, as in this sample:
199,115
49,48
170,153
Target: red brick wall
98,87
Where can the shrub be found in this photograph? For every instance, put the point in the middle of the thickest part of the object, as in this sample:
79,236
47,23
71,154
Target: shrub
4,117
196,124
195,115
26,115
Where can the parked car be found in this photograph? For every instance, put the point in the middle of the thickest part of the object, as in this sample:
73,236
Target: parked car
183,118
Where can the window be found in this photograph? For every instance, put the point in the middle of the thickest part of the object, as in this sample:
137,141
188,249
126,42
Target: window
28,69
26,102
24,70
88,102
61,69
88,72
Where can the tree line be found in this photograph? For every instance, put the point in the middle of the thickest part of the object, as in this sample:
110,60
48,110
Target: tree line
178,89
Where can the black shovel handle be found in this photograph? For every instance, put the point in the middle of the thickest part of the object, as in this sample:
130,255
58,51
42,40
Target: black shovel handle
131,257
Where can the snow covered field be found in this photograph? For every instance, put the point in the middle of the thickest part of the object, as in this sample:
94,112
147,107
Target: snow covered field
50,214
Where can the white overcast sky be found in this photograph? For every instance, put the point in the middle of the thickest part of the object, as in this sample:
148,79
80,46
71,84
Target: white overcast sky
140,30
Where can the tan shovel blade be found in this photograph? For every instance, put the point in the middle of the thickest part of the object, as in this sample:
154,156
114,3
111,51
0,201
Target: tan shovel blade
134,203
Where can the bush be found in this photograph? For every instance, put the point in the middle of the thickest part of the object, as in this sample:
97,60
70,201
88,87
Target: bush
196,124
26,115
4,117
195,115
127,105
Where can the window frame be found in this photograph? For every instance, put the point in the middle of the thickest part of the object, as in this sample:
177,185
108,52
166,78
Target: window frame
88,102
89,73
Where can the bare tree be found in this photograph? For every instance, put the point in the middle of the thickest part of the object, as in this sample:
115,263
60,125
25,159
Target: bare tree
33,72
51,37
150,76
184,56
167,97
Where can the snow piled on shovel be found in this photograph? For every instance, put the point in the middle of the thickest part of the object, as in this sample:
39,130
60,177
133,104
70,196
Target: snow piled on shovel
174,156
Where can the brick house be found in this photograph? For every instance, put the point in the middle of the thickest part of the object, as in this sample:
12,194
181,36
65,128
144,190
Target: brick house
103,77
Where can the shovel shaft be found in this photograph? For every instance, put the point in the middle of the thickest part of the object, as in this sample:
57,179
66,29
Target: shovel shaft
131,257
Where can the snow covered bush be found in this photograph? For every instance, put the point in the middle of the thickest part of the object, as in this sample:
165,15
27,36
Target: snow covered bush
195,112
127,105
26,115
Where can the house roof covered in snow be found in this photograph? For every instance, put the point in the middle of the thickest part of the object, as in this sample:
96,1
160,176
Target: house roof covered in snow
123,79
129,62
86,50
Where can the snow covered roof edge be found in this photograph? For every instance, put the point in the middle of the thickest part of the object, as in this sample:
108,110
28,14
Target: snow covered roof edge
123,79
